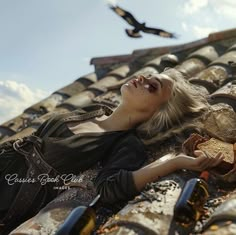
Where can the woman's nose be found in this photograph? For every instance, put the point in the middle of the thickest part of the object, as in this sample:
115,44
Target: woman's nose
141,78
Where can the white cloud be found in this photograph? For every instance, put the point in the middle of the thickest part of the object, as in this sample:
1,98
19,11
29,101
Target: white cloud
184,26
201,32
225,8
15,97
112,2
193,6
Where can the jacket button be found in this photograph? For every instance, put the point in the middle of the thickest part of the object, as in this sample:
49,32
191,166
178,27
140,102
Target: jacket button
38,161
33,155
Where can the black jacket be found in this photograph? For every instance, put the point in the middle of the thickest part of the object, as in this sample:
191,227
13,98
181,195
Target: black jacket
116,154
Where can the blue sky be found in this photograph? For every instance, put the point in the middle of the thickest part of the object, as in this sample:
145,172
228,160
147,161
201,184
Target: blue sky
47,44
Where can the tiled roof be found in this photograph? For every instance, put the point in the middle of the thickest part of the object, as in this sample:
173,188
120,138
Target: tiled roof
209,62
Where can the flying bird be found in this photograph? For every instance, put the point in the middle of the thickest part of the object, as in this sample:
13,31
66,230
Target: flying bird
134,33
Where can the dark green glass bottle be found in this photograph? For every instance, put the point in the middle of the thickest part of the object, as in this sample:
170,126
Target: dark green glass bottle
189,205
81,221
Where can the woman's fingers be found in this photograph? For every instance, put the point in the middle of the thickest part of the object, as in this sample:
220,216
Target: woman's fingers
205,160
218,159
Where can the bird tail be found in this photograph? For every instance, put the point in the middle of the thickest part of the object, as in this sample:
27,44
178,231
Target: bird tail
132,33
168,35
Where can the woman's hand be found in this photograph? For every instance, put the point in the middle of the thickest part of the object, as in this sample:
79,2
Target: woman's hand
157,169
202,162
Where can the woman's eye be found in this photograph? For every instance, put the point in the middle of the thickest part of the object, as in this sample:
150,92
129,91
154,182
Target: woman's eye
151,87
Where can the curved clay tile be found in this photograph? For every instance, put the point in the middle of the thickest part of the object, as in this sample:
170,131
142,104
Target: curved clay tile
232,65
85,98
225,59
171,58
220,222
25,132
144,70
82,99
19,122
211,78
45,105
232,48
120,73
16,124
191,66
5,132
220,118
78,85
216,74
161,62
207,54
198,60
225,94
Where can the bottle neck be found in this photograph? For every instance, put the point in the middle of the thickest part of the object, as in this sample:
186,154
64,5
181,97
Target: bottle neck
204,175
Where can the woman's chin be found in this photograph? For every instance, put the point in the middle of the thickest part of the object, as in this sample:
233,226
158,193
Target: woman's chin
124,88
125,85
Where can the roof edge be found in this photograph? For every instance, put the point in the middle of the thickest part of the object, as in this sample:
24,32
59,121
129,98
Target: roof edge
212,37
126,58
111,59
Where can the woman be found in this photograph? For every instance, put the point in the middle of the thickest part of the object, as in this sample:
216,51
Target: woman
73,142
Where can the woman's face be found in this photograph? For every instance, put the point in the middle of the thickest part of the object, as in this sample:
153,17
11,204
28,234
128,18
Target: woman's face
147,93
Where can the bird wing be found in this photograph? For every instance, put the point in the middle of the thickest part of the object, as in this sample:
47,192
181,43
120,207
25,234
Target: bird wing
159,32
132,33
125,15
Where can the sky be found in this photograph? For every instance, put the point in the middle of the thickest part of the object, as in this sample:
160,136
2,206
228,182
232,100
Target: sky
47,44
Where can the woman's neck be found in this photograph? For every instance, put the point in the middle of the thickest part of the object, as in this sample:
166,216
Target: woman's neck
120,119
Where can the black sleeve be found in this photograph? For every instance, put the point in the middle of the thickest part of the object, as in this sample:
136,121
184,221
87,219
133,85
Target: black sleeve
115,181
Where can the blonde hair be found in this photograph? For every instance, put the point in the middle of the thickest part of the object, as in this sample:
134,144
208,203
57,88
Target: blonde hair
185,102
